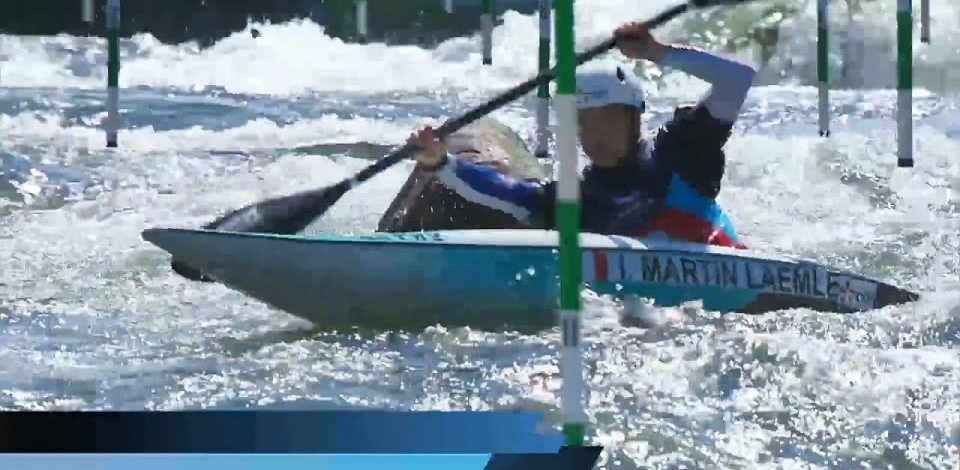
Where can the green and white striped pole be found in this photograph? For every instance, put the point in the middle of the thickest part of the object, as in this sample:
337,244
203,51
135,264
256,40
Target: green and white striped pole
823,64
362,21
925,21
543,92
486,30
904,83
112,122
568,222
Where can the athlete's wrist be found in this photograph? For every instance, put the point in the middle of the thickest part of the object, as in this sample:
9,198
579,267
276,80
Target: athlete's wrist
434,165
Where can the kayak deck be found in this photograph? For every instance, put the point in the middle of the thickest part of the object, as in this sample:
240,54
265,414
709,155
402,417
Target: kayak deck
503,279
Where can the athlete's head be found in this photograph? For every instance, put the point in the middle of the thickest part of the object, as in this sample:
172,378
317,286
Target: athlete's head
610,103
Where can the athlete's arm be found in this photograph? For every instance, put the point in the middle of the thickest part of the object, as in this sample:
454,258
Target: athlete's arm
730,80
693,140
528,202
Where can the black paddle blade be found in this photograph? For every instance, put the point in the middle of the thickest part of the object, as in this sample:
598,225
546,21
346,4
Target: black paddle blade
189,272
282,216
285,215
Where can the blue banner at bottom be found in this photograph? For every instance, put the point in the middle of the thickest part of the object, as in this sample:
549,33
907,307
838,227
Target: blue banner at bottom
569,458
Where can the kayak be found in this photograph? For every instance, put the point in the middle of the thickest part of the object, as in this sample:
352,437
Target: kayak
502,279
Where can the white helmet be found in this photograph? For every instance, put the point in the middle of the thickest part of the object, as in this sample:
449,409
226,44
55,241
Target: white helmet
608,82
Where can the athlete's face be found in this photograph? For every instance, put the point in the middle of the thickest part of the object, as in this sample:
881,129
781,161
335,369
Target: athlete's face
607,133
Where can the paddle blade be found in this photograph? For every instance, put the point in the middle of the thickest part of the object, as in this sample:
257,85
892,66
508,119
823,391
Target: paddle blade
189,272
282,216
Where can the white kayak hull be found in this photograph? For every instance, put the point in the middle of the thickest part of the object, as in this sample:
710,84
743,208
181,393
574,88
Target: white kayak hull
495,279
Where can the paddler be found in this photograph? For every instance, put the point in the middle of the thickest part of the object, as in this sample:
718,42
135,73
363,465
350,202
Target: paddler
665,186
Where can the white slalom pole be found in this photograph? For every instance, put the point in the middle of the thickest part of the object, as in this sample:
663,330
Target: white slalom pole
448,6
486,30
904,83
543,93
925,21
823,72
112,123
362,21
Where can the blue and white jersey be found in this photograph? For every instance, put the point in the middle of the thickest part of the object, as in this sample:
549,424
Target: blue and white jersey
668,188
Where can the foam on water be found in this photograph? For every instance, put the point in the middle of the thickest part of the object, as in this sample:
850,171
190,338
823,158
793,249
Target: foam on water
92,317
298,57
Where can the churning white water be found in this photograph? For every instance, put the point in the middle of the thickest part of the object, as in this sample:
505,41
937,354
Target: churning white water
91,317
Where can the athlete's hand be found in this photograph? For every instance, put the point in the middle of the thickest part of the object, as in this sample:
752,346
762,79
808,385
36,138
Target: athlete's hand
636,42
431,151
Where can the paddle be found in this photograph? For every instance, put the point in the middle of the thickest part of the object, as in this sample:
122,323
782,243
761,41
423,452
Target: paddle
291,214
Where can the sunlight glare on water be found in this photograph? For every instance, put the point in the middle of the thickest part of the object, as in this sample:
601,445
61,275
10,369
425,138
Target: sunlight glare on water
92,317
